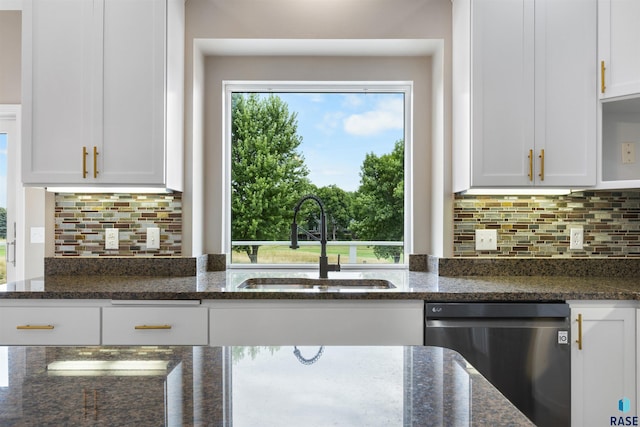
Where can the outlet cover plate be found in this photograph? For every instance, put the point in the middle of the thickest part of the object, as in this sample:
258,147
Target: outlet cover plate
628,153
486,240
111,238
576,236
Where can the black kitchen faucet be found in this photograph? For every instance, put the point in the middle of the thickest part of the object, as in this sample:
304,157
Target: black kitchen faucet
325,267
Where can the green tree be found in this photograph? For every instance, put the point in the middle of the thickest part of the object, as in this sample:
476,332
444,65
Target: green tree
268,174
379,207
338,205
3,223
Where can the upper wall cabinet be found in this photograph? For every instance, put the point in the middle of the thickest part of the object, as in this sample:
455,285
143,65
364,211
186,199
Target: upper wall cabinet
524,93
618,41
103,92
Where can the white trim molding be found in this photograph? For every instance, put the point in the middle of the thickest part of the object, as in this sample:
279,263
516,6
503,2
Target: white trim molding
10,4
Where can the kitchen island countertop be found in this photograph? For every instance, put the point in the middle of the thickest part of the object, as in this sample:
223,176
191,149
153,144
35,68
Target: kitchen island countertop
409,285
248,386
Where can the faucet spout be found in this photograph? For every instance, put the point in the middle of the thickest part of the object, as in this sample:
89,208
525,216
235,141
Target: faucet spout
325,267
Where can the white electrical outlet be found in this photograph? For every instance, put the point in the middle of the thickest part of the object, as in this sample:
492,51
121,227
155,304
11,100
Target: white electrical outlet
111,238
576,237
153,238
628,152
486,240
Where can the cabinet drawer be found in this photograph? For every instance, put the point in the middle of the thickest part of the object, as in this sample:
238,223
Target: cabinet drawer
49,325
154,326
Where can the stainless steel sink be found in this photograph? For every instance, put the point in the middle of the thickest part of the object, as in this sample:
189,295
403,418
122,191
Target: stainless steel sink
293,283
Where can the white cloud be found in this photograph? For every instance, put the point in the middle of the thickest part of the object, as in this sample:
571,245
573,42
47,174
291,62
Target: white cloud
316,97
330,122
352,100
388,115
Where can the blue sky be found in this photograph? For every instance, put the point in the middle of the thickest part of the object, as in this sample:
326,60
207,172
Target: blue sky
339,129
3,170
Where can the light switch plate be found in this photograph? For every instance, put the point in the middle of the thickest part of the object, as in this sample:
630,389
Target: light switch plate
111,238
153,238
37,234
486,240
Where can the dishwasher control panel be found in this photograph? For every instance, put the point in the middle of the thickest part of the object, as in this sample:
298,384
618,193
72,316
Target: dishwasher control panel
563,337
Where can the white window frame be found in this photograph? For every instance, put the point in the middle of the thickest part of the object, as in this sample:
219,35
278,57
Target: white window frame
406,87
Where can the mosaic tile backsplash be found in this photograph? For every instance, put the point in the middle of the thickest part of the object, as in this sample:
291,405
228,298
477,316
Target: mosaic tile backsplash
538,226
81,220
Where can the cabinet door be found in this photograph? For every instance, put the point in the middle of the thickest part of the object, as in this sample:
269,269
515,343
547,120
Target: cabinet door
502,92
60,70
566,98
604,370
133,148
618,40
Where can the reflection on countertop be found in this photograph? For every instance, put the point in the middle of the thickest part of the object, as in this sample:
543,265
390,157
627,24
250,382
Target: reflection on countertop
248,386
409,285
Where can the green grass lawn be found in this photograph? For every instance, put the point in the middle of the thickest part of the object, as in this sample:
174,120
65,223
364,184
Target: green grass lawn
308,254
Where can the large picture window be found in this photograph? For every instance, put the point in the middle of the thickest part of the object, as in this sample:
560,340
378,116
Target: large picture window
346,144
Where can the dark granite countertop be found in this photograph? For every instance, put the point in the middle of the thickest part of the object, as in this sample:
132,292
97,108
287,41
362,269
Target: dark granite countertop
409,285
249,386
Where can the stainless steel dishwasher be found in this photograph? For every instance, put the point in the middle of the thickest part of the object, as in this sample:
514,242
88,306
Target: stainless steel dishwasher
521,348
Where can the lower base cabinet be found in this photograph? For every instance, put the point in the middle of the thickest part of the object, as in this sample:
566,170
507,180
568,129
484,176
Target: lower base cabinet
603,363
287,322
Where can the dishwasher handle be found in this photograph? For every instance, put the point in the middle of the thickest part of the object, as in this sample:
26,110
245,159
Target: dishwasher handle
497,323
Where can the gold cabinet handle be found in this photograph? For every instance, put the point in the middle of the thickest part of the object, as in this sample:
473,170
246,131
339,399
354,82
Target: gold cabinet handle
84,162
34,327
541,156
95,162
603,88
530,165
153,327
579,340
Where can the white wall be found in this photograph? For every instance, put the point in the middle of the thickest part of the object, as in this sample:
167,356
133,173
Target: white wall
314,19
10,55
218,69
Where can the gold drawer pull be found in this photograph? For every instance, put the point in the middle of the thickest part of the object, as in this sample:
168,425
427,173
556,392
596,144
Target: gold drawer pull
603,69
541,156
84,162
32,327
95,162
153,327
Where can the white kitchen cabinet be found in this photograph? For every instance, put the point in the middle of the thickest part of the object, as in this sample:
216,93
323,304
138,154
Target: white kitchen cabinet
34,324
618,40
102,92
603,370
619,87
291,322
524,93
